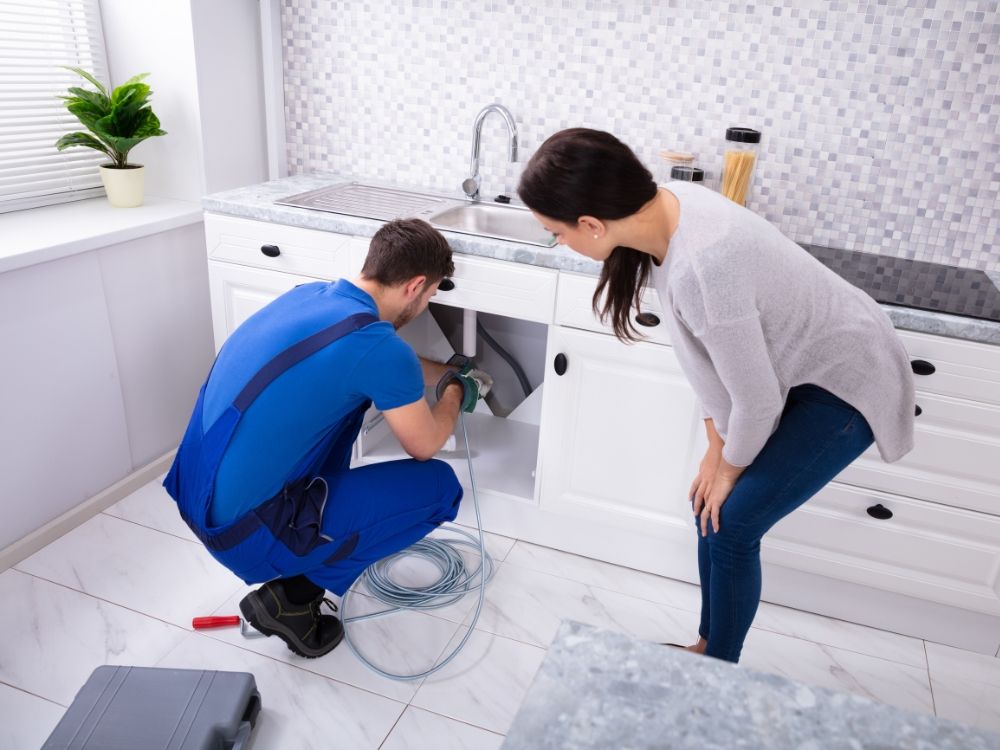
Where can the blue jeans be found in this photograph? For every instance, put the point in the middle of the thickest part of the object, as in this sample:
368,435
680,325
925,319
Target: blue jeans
817,437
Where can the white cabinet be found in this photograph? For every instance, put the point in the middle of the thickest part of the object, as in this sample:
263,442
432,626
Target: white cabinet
238,292
621,433
923,550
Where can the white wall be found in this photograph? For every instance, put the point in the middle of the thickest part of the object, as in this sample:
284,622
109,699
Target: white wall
146,36
104,353
230,92
203,57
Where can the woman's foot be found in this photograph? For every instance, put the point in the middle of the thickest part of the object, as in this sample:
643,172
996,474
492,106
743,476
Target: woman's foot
698,648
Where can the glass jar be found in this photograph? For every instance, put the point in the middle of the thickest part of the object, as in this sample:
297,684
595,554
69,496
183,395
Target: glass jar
738,163
674,159
687,174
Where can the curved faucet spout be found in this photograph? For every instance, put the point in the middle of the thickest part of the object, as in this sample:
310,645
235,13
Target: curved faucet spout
471,184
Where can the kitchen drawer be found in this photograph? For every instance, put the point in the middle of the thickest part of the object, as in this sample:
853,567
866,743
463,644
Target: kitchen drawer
924,550
955,459
495,286
308,252
574,308
964,369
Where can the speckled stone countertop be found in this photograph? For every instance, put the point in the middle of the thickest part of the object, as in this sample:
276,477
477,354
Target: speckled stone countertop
257,202
599,689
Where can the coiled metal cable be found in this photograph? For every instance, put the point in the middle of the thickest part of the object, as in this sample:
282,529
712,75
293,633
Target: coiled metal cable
455,581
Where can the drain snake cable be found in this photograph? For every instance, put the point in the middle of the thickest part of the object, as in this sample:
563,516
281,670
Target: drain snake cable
456,580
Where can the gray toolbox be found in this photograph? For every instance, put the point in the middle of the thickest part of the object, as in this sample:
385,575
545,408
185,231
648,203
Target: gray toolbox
126,708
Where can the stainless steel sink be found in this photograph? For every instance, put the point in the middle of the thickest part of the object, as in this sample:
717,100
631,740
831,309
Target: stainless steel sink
468,217
369,201
492,220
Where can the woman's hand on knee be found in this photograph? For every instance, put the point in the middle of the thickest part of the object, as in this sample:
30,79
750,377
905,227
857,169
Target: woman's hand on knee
717,495
702,484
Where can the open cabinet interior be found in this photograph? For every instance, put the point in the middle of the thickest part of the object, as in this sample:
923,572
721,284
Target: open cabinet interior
503,431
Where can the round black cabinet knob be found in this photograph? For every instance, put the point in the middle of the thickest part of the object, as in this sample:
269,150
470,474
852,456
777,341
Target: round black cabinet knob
271,251
446,285
880,512
647,319
922,367
918,411
560,364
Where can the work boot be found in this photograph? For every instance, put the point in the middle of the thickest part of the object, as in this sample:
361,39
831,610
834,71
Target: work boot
301,626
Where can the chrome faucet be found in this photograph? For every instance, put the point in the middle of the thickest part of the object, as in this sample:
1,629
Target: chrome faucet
471,183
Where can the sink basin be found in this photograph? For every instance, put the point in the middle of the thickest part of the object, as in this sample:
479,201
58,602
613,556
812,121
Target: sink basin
493,220
377,202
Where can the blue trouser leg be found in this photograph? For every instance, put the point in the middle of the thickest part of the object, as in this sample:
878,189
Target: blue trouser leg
389,506
817,437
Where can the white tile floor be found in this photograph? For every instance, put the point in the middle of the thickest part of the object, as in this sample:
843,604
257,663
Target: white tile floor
122,589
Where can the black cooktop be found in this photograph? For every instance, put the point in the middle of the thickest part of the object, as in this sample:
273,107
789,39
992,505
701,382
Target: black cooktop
915,283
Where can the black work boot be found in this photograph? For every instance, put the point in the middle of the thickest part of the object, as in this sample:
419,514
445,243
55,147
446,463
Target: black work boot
301,626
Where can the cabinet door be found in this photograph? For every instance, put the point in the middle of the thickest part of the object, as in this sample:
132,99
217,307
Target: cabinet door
898,544
238,292
621,433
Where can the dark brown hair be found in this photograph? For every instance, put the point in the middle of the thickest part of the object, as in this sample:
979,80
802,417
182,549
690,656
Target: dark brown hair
405,248
582,172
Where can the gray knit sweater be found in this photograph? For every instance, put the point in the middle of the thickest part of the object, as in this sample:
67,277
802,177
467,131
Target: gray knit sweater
751,314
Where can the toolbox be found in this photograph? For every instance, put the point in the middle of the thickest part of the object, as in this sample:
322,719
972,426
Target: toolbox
124,708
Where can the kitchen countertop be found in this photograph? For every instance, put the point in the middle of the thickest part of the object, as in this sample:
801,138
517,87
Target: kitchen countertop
257,202
601,689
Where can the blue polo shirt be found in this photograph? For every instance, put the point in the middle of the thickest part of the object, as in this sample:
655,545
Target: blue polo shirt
292,418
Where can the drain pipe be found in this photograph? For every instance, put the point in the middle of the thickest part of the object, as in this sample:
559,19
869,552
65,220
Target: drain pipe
469,333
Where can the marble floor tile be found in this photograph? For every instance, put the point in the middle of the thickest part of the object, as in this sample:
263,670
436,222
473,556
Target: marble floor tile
528,605
26,720
837,669
970,702
946,662
966,686
133,566
418,730
55,637
300,709
151,506
840,634
405,642
604,575
497,545
485,684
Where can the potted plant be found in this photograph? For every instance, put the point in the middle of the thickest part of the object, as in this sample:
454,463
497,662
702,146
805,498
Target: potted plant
117,123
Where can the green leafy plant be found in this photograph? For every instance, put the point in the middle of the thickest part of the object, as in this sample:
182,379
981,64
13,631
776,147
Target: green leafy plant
118,121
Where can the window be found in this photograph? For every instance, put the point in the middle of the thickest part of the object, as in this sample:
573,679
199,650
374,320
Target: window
36,38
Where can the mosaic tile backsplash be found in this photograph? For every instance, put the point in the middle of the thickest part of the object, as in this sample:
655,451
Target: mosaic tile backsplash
880,120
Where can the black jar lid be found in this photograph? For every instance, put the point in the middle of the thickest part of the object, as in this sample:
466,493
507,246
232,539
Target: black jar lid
743,135
689,174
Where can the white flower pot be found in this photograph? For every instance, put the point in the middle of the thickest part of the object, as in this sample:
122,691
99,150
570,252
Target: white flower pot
123,186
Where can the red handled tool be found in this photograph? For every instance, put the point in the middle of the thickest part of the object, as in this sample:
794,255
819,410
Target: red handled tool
203,623
225,621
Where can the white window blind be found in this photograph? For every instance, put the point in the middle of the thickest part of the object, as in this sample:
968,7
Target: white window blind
36,38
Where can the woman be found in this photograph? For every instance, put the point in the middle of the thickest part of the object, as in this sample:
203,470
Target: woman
797,371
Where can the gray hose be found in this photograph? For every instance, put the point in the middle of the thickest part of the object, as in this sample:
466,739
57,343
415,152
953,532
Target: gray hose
505,355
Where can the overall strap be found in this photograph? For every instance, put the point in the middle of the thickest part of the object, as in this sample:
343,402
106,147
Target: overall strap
294,354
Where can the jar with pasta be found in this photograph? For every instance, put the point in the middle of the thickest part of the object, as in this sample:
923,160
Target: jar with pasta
742,145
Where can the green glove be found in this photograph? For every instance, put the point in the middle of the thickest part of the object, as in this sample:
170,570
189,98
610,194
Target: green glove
475,385
463,363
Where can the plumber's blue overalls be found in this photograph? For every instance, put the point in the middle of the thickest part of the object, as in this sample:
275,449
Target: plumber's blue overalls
327,521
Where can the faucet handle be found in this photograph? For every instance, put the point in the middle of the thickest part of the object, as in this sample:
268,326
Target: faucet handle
470,185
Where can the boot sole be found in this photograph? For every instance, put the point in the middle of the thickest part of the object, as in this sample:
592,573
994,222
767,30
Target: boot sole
261,620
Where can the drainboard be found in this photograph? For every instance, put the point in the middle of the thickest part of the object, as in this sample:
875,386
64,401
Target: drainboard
369,201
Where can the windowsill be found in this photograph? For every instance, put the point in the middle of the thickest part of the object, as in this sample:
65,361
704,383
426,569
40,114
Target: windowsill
37,235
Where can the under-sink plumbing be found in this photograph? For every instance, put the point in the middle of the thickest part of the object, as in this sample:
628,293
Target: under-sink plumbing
471,183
